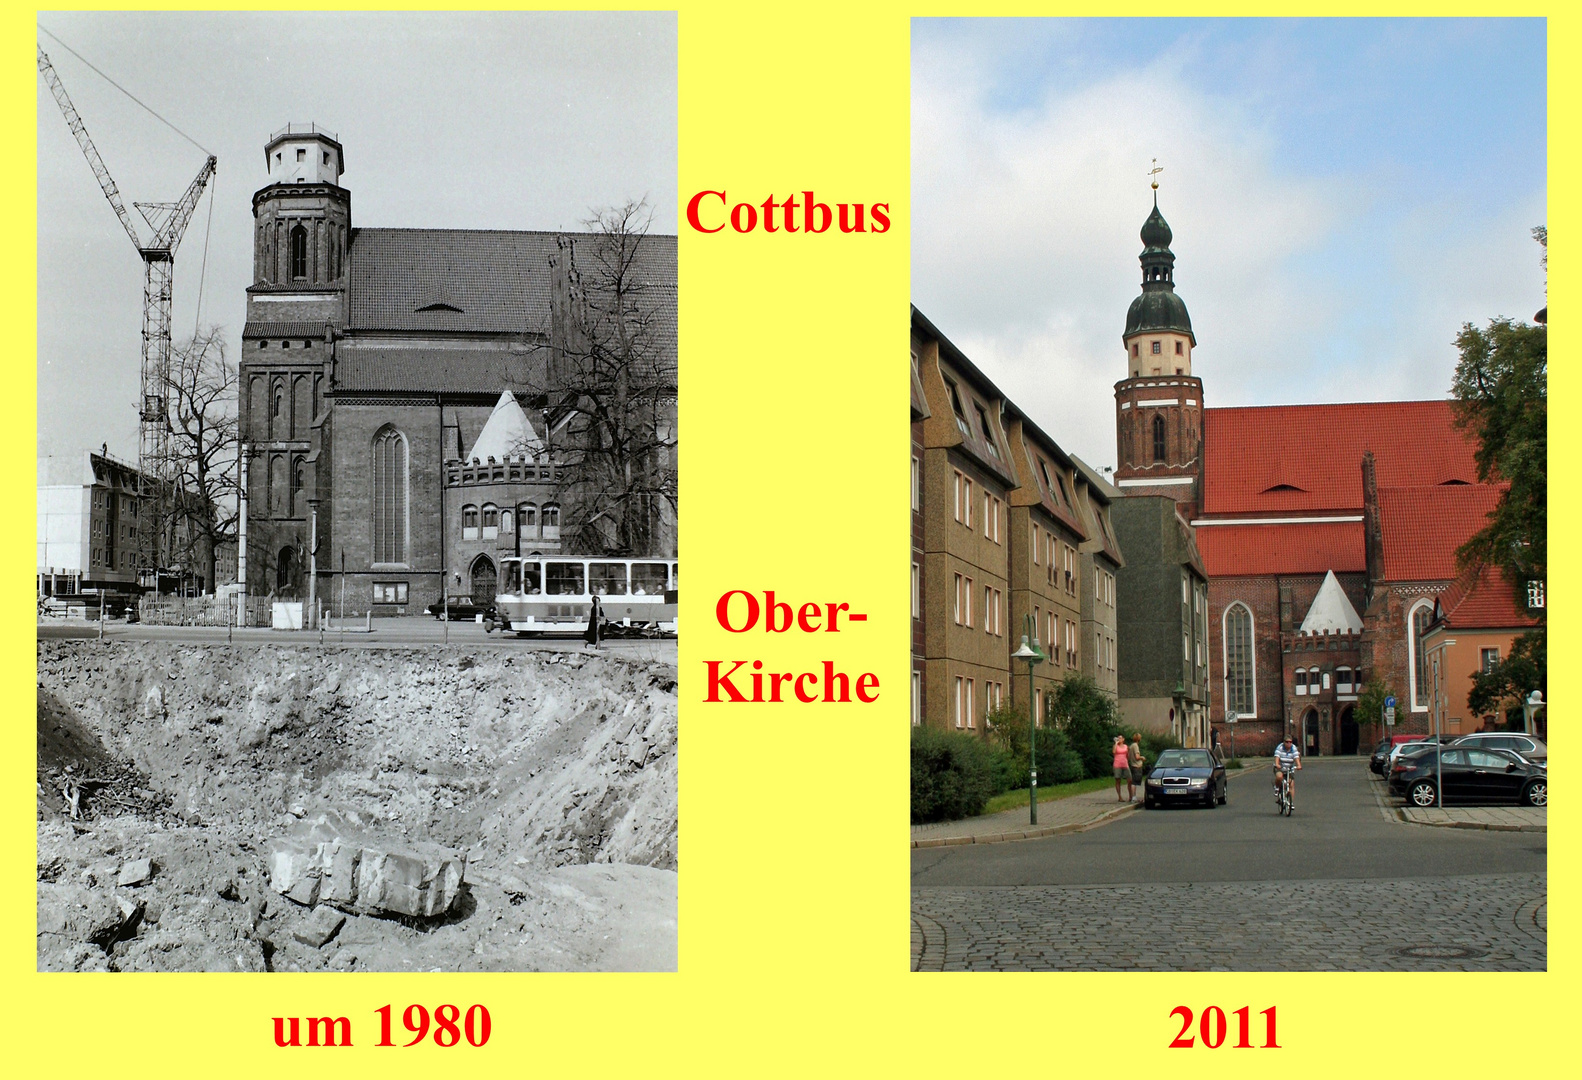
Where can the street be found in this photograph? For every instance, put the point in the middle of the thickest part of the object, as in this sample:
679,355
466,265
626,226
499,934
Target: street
1340,885
386,633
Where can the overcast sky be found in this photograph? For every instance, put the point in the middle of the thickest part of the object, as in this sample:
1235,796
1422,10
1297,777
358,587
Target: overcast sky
1344,196
486,121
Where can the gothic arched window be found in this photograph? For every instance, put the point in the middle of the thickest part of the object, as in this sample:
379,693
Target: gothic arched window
390,496
1240,695
1159,437
299,252
1417,625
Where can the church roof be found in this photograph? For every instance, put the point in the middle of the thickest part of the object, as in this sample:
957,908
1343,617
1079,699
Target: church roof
476,280
1331,611
1295,458
1423,527
1257,550
432,371
506,434
1483,602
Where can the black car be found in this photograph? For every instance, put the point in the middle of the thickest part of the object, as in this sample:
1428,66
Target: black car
462,609
1381,755
1472,775
1185,776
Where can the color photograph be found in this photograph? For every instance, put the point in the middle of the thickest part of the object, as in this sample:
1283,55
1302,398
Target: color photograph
1229,495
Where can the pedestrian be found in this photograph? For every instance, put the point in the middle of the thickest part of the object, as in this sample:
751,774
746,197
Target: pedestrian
1134,759
1216,749
591,635
1123,771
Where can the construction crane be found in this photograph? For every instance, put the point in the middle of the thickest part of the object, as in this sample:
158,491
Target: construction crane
168,221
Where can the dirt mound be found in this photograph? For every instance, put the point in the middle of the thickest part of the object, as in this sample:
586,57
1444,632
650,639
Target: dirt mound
527,761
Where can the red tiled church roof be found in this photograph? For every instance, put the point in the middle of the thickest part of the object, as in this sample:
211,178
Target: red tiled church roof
1423,527
1485,602
1285,458
1250,550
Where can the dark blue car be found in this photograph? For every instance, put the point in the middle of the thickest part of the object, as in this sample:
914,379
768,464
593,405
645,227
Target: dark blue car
1191,777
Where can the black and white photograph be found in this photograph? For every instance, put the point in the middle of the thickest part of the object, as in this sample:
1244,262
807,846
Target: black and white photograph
357,492
1229,488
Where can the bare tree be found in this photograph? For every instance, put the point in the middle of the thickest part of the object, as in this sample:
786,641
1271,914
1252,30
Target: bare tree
610,386
202,467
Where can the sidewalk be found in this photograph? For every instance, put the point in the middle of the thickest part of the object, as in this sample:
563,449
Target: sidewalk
1493,818
1072,814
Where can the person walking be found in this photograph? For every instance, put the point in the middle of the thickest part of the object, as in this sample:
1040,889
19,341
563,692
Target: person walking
1134,761
1122,763
591,635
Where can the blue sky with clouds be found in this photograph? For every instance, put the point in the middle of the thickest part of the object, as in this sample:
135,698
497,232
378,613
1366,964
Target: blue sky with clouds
1344,195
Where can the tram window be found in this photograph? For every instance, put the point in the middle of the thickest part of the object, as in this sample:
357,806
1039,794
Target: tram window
648,578
607,578
530,579
563,578
675,572
511,582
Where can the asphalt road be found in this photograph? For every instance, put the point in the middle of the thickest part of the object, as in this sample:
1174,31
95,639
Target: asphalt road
1338,886
1336,831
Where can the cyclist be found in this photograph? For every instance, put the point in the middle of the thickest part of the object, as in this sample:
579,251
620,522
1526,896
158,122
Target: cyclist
1287,760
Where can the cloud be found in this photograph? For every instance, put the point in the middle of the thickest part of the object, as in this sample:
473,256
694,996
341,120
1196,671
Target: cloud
1301,288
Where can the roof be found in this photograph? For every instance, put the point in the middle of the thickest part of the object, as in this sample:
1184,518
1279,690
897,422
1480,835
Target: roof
475,280
506,434
1331,610
255,329
1305,548
435,371
1294,458
1484,601
1423,527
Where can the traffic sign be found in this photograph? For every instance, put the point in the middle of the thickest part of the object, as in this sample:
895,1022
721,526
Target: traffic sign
1230,716
1389,703
1389,715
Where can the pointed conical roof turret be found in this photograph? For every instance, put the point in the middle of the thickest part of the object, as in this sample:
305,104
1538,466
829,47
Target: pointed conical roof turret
506,434
1331,610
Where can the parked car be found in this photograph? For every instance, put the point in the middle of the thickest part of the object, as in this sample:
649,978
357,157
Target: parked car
1405,758
1379,762
1529,747
1185,776
463,609
1473,775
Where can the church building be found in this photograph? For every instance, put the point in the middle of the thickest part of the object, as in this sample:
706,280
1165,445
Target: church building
403,392
1327,532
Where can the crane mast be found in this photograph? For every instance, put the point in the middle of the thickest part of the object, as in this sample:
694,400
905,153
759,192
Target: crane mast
168,221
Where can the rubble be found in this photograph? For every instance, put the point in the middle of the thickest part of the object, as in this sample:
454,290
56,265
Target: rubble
433,799
319,928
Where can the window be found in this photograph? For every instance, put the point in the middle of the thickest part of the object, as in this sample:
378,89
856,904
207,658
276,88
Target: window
390,592
551,521
491,521
972,716
988,433
302,155
299,252
527,519
917,484
563,579
390,496
1159,437
326,157
607,578
1153,347
955,407
507,521
958,609
1422,614
966,501
1134,348
1178,348
469,522
1071,643
917,591
966,595
1487,659
988,610
1343,683
1035,545
959,701
917,698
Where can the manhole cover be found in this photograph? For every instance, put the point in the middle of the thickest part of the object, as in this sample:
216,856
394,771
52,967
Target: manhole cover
1439,952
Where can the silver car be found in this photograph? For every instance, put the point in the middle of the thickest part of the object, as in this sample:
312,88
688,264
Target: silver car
1528,746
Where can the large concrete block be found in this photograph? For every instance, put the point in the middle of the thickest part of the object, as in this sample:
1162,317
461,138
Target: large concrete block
323,859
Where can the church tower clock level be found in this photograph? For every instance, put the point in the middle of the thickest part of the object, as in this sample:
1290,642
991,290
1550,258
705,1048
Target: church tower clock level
1159,404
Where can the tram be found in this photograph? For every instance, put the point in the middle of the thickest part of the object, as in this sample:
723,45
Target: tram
547,594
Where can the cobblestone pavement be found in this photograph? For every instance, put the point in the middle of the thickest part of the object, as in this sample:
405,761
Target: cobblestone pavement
1459,923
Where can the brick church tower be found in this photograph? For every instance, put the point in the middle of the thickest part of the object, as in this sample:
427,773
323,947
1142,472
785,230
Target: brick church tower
1159,405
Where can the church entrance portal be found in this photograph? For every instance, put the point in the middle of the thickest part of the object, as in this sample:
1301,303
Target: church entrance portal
1348,732
1310,728
483,581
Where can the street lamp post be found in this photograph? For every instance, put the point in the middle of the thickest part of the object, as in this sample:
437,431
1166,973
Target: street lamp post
1034,656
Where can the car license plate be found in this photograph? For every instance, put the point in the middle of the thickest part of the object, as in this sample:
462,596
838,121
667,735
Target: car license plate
1178,791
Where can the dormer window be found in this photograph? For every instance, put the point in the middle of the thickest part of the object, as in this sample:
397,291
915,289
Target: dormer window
988,434
955,407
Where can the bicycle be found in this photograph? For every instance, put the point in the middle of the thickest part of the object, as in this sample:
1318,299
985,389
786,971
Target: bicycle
1286,803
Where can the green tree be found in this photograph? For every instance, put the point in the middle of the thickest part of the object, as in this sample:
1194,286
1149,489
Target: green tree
1089,719
1501,393
1501,690
1370,703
